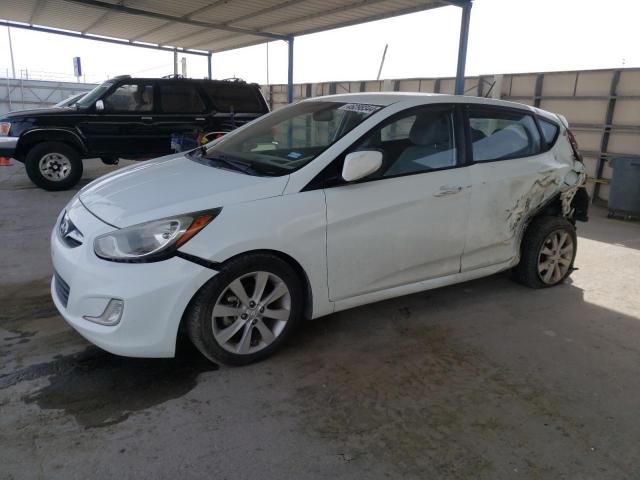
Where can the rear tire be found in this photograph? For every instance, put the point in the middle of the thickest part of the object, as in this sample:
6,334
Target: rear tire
54,165
245,313
548,251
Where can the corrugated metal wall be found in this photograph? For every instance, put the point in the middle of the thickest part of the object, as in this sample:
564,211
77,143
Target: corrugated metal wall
24,94
602,106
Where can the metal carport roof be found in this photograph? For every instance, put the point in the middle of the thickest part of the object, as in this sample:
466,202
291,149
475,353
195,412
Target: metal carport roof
203,27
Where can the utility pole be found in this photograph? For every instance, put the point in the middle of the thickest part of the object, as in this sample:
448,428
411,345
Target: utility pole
175,62
13,67
384,54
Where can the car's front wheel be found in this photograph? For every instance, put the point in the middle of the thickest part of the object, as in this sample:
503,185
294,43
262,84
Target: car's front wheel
246,311
548,252
54,165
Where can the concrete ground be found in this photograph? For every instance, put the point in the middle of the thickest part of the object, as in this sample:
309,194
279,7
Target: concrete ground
485,379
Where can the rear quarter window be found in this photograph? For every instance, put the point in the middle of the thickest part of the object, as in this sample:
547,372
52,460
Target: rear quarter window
236,97
549,131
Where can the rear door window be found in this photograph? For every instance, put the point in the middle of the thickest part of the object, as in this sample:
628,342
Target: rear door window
180,98
234,97
498,134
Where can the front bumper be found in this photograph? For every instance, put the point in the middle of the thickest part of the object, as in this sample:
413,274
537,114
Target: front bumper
155,295
8,146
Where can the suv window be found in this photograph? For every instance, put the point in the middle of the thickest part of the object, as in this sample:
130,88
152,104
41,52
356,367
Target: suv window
180,98
415,142
130,97
549,131
233,96
500,135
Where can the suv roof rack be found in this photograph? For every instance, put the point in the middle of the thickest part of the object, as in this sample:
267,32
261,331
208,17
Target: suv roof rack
233,79
120,77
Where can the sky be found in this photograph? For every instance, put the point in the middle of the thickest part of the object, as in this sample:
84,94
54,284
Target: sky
506,36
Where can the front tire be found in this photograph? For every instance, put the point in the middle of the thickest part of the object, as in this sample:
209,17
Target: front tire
54,165
547,253
246,311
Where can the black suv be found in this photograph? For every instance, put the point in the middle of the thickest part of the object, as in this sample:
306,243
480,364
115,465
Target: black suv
124,117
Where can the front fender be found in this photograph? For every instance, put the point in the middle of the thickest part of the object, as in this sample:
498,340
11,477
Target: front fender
49,134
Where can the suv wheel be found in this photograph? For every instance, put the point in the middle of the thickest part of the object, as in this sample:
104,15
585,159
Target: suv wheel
246,311
54,165
548,252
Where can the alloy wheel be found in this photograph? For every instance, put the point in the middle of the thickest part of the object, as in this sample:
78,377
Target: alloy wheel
251,312
555,257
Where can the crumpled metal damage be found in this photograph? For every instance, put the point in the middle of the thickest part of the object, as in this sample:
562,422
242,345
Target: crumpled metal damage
544,190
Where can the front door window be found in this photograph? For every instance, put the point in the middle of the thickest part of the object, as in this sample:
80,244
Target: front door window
132,97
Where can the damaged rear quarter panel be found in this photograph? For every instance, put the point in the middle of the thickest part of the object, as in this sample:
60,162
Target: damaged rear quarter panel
506,194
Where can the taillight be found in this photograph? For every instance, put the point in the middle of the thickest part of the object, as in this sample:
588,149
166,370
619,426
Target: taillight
574,145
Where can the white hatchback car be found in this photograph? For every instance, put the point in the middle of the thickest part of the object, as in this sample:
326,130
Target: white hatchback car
321,206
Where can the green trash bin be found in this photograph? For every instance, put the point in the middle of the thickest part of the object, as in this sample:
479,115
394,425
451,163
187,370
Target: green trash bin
624,192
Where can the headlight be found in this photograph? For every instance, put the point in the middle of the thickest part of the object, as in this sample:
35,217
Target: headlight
4,128
152,241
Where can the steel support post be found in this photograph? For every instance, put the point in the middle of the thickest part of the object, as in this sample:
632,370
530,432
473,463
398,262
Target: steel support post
462,49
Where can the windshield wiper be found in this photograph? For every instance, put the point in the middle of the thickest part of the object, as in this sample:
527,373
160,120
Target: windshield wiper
199,154
233,164
198,151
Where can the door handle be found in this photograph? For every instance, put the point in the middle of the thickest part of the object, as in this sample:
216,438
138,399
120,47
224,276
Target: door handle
146,119
447,190
200,119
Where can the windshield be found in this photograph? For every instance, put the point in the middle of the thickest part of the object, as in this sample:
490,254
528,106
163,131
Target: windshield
67,102
290,138
94,95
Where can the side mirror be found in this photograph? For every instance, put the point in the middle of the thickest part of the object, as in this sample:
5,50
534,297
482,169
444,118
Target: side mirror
99,106
358,165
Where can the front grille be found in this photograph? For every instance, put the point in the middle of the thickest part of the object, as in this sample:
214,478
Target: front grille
62,289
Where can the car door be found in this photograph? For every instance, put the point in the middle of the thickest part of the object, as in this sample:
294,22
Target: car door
181,111
510,175
125,125
407,222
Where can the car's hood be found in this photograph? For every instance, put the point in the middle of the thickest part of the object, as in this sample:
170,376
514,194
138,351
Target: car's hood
39,112
171,185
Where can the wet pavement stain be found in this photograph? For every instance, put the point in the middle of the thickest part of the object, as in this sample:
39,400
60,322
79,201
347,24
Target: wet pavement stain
100,389
17,337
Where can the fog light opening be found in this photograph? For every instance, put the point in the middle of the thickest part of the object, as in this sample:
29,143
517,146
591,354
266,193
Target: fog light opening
111,315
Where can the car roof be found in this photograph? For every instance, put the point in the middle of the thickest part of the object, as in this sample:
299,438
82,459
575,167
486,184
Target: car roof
122,78
388,98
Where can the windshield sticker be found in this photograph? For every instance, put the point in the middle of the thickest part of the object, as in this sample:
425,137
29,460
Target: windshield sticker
295,155
360,108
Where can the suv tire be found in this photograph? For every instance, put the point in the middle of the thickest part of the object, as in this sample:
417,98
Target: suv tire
548,251
54,165
259,298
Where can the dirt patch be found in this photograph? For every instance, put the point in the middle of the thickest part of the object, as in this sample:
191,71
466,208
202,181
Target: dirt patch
425,403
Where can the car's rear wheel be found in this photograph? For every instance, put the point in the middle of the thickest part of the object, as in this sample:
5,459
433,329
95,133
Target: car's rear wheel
54,165
246,311
548,252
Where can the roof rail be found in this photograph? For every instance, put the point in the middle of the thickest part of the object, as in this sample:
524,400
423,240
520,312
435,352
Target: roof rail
233,79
